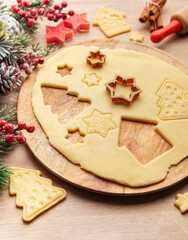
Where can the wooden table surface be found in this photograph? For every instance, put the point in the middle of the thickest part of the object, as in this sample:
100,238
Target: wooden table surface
85,215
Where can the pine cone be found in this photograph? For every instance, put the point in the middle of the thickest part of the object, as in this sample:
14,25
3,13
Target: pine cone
9,78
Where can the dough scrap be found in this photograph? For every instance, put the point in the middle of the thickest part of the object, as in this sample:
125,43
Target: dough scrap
34,193
111,22
136,36
100,153
182,202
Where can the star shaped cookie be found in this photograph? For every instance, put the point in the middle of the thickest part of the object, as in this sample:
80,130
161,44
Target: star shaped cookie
91,79
100,123
182,202
136,36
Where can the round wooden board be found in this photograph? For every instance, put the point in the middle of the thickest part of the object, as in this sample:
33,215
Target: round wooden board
62,167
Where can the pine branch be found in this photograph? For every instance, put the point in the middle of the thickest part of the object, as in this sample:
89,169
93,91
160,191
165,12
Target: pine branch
5,174
10,50
3,9
45,51
8,113
22,39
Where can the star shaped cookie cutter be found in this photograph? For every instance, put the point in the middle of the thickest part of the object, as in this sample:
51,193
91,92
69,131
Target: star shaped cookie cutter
96,59
111,87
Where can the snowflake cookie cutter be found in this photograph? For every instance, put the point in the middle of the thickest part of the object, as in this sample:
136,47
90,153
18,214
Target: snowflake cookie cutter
96,59
111,88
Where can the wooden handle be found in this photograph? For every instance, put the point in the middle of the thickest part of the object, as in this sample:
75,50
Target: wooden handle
158,35
182,17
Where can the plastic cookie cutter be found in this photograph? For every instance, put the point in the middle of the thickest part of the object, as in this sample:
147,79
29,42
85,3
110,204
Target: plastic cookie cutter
111,87
96,59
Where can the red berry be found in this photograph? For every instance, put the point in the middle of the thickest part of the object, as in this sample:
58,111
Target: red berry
40,11
9,138
1,134
46,2
22,13
51,10
58,15
64,15
30,22
18,1
15,8
20,139
2,123
35,61
33,12
56,20
25,66
71,12
35,17
30,128
64,4
50,16
28,71
32,55
41,60
56,7
21,125
9,127
26,3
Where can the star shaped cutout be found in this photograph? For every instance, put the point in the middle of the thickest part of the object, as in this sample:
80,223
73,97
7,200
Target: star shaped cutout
96,59
58,34
182,202
77,22
136,36
111,87
91,79
100,123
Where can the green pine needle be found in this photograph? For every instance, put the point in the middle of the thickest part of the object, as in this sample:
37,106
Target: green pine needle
45,51
22,39
5,174
8,113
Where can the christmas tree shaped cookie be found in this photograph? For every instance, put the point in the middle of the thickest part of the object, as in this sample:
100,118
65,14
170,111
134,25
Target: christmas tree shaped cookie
34,193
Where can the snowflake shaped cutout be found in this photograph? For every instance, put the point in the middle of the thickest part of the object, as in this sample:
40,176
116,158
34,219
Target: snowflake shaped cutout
126,82
182,202
100,123
136,36
91,79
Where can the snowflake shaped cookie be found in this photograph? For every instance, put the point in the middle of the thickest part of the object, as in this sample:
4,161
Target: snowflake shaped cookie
182,202
91,79
100,123
136,36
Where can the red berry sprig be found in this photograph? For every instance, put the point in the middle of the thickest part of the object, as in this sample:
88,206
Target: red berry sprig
55,13
29,61
11,132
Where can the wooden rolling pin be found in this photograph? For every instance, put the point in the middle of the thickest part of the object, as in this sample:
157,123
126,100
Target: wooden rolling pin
178,24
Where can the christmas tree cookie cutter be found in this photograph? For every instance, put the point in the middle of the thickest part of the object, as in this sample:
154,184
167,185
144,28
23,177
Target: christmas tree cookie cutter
96,59
111,87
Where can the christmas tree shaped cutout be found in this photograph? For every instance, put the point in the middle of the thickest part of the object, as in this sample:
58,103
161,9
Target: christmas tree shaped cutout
34,193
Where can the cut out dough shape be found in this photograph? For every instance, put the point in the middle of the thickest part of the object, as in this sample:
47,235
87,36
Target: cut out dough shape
136,36
111,22
34,193
98,154
182,202
173,101
91,79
